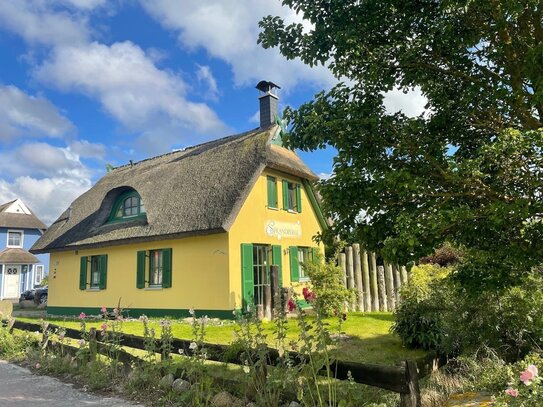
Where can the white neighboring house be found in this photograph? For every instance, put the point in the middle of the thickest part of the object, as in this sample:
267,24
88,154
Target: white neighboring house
20,270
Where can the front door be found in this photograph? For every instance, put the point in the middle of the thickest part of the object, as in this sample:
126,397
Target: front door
11,281
260,272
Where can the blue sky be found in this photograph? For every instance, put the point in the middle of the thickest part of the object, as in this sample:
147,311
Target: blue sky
89,82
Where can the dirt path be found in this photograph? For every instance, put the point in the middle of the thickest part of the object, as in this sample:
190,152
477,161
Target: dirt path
19,387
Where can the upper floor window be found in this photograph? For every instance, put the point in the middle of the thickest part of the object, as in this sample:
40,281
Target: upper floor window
128,205
15,238
272,192
292,196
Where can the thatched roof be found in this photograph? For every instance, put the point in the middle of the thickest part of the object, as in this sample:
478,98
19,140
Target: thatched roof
19,220
199,190
17,256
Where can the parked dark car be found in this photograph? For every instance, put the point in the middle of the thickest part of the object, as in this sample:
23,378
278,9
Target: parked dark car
40,297
27,295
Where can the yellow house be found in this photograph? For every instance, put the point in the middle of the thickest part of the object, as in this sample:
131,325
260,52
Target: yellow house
197,228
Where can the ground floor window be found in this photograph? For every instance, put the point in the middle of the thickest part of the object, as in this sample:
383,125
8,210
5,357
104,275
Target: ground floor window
260,272
93,272
154,268
38,274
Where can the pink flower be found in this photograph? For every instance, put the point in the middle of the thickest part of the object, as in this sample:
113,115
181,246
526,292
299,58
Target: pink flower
308,295
103,310
104,327
115,311
528,375
291,305
512,392
38,365
82,315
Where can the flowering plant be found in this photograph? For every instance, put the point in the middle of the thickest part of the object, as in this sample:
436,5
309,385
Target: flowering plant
526,388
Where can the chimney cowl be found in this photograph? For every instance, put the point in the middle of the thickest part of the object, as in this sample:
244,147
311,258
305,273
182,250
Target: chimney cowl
268,103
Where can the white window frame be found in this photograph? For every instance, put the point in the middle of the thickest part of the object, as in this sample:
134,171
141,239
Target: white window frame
37,273
21,232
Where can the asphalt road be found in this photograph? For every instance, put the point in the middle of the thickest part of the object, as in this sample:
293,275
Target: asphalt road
19,387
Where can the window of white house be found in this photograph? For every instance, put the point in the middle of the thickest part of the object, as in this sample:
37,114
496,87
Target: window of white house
15,238
38,274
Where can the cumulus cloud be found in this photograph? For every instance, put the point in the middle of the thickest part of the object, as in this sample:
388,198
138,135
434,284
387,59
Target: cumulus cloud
206,78
37,22
230,34
23,115
47,197
130,88
411,103
84,148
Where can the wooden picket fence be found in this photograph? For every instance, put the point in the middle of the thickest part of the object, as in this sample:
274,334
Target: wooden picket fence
377,287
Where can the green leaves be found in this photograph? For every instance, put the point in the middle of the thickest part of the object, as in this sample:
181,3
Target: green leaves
468,171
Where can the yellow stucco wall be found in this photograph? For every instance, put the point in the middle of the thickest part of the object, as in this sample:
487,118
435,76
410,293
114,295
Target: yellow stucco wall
199,276
250,227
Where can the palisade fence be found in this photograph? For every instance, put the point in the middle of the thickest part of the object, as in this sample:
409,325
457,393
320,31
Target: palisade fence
377,286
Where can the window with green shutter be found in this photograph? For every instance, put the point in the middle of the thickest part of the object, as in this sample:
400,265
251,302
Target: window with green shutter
292,196
154,268
294,264
272,192
93,272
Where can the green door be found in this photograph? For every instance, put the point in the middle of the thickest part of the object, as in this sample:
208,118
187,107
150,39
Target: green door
247,280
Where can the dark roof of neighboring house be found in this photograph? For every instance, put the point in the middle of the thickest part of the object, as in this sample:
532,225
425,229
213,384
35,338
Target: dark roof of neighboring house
17,256
199,190
19,220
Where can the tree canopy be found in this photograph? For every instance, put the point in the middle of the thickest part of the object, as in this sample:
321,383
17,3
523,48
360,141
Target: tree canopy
470,169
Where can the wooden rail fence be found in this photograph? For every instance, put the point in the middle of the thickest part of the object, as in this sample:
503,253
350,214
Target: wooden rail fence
377,287
402,379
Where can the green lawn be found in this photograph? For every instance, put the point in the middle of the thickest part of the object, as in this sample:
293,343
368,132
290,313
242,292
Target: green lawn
369,338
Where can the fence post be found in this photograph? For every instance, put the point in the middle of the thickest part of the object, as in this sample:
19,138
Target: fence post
350,274
276,291
343,266
373,282
389,284
411,399
358,277
382,289
397,282
403,274
93,347
366,281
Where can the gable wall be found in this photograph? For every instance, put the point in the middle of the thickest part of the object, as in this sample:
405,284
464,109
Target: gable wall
251,224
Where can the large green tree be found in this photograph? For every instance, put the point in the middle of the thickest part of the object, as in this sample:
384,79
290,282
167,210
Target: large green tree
468,170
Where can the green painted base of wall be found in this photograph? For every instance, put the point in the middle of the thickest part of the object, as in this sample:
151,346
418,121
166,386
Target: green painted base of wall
303,304
137,312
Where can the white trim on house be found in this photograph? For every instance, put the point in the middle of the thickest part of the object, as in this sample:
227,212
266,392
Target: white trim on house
18,207
2,288
22,232
41,274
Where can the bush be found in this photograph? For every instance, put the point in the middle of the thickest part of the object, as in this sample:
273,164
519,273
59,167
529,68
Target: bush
437,313
419,317
444,256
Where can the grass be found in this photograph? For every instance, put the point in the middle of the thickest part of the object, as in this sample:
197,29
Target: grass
369,339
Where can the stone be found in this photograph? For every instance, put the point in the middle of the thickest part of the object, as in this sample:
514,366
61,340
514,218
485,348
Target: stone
294,404
225,399
180,385
167,381
6,308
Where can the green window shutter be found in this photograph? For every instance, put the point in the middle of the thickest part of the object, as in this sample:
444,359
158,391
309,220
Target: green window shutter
140,276
166,268
247,277
294,264
83,273
299,198
285,195
315,252
272,192
103,271
277,259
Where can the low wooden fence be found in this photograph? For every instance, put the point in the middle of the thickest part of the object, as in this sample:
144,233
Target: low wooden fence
402,379
377,287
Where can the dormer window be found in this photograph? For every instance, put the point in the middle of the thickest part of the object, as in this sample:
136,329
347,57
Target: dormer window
128,205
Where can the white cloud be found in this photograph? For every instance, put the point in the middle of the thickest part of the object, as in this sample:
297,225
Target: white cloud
84,148
411,103
206,78
38,23
42,159
131,88
22,115
230,33
47,197
84,4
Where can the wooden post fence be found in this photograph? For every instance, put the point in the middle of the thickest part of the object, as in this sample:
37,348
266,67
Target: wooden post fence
377,287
